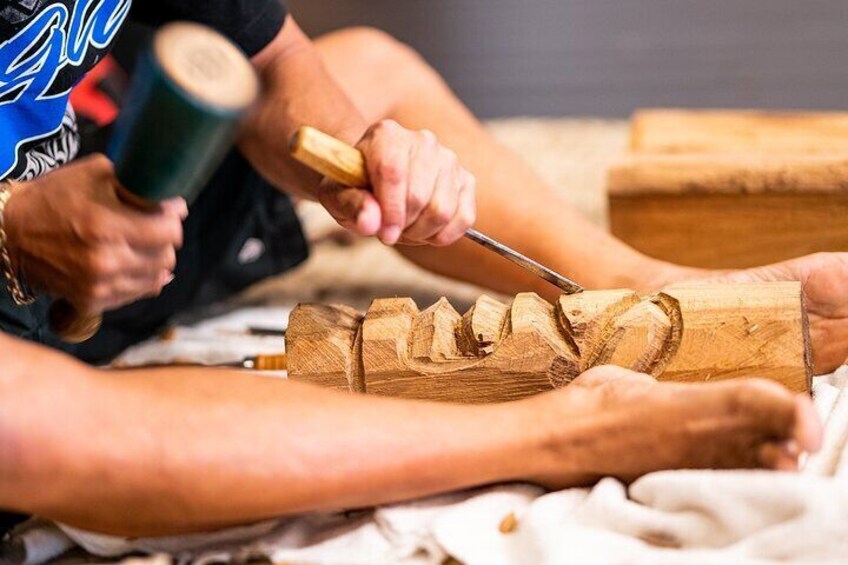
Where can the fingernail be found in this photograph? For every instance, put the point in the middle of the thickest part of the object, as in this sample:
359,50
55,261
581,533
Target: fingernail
391,235
168,279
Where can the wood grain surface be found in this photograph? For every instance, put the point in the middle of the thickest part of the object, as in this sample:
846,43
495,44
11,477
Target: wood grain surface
732,189
498,352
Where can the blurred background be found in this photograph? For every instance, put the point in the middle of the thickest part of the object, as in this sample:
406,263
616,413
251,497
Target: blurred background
606,57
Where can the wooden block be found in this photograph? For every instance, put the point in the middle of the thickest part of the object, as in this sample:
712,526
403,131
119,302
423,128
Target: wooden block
482,326
434,333
755,330
686,333
320,342
385,335
738,131
730,211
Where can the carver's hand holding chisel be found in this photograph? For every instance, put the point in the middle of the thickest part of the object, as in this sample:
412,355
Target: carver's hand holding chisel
421,192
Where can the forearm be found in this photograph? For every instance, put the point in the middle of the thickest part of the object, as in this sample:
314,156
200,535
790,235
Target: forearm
163,452
534,219
513,205
387,80
298,91
555,236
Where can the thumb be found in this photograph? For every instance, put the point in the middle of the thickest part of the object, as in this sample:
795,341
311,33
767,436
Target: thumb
353,208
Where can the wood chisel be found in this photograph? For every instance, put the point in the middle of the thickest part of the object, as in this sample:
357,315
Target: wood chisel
277,362
345,165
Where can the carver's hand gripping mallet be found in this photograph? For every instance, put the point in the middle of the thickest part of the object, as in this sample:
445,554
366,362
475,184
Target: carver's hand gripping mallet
191,88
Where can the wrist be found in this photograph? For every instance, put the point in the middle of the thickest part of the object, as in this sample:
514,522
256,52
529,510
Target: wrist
538,442
18,290
647,275
12,224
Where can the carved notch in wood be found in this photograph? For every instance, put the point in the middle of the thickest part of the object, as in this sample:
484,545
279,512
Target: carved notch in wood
497,352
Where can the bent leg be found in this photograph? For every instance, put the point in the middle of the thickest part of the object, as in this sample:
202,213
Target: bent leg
388,80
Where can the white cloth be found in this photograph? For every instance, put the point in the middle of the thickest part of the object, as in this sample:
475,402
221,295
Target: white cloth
669,517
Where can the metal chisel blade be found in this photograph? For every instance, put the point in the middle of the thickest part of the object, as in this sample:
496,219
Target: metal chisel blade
563,283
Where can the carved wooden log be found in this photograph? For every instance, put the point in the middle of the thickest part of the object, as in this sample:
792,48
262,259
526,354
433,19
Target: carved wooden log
497,352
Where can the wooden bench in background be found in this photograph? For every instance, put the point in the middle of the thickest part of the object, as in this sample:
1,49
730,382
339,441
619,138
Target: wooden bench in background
729,189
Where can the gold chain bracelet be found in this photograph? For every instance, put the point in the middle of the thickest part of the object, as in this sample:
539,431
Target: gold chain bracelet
20,295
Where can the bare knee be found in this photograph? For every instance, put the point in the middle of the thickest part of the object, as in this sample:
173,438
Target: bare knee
373,46
375,54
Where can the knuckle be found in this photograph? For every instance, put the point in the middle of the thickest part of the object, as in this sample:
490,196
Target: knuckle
390,172
438,212
176,235
100,163
154,290
442,239
468,217
384,127
415,202
170,260
96,293
450,157
101,265
94,228
428,138
760,387
470,181
108,266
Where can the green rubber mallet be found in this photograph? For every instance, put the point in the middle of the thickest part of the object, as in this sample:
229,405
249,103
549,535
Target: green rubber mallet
191,88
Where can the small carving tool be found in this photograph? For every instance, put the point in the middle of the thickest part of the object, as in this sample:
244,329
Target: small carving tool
345,165
266,332
277,362
190,90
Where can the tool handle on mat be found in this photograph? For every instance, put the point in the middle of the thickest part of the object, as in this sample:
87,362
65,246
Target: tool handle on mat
72,325
270,362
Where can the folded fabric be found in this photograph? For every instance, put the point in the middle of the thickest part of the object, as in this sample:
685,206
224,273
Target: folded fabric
668,517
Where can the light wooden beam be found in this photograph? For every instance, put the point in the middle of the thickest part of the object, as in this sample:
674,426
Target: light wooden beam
732,188
670,131
730,211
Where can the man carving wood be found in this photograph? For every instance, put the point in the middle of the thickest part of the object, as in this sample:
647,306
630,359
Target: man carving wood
167,451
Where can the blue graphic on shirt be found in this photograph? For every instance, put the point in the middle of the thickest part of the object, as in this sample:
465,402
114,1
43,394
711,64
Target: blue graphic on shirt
53,42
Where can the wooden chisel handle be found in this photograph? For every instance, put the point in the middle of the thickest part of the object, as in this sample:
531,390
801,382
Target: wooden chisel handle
268,363
345,165
331,157
277,362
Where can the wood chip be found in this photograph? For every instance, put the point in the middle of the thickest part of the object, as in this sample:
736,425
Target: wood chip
509,524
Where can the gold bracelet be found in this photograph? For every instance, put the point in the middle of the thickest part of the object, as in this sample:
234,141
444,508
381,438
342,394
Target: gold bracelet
20,295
